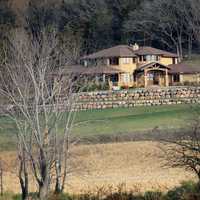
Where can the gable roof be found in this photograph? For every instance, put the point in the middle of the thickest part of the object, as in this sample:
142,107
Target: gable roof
116,51
153,51
127,51
151,64
183,68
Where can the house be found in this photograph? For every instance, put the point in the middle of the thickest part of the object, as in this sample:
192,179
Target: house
135,66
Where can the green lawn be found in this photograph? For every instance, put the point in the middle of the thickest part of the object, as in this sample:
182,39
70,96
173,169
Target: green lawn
116,121
132,120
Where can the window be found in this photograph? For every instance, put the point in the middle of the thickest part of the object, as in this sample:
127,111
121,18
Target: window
150,76
125,60
176,78
114,61
152,58
114,78
125,78
134,60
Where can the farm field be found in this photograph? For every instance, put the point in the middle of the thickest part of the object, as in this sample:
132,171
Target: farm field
138,165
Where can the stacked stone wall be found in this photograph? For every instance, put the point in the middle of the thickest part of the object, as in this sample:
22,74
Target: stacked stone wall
138,97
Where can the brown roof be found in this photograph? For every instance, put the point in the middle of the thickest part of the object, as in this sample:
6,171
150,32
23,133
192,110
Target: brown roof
117,51
127,51
184,68
153,51
79,69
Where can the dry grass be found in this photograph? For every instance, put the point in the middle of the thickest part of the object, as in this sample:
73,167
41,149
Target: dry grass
136,164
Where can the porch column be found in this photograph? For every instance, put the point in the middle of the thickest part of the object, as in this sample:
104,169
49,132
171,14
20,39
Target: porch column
110,83
97,79
145,79
119,79
166,78
104,78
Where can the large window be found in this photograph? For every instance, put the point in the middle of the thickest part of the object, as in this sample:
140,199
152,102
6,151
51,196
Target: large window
152,58
114,61
126,60
149,58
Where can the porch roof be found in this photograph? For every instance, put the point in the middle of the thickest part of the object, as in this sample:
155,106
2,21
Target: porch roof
152,64
79,69
183,68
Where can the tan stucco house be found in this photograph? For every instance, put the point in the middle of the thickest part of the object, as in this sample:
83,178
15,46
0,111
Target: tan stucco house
134,66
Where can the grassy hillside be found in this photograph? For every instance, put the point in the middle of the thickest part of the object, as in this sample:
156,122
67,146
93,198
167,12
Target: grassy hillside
132,120
122,120
118,121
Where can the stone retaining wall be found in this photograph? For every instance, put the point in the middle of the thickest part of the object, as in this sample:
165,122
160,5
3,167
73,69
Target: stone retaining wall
138,97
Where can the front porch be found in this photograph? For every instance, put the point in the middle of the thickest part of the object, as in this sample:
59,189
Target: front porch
152,74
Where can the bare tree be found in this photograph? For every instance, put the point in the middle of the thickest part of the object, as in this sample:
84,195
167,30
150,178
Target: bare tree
164,21
192,17
184,150
34,84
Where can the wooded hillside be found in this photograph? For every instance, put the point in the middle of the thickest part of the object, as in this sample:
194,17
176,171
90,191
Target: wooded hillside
92,24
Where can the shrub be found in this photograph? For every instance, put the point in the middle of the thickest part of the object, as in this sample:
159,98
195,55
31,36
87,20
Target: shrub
125,87
185,190
7,196
153,195
91,87
60,197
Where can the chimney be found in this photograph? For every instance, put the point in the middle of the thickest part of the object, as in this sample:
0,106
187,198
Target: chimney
135,47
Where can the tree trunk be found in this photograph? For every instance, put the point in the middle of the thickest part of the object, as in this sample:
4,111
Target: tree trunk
23,175
45,177
43,190
58,186
180,48
189,47
1,178
24,188
178,53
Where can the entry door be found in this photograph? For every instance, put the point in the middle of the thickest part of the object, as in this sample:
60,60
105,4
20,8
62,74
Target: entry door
155,78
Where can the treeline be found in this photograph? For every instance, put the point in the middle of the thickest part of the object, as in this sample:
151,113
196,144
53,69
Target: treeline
91,25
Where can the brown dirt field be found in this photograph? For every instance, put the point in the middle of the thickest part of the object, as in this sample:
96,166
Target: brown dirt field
136,164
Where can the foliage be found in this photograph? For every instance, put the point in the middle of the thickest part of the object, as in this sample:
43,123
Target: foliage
183,192
187,191
91,87
98,24
7,22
